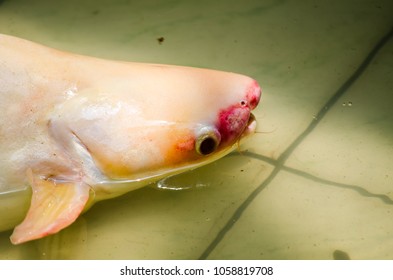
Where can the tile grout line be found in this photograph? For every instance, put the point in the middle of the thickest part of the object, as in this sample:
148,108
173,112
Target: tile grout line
338,94
236,215
288,151
362,191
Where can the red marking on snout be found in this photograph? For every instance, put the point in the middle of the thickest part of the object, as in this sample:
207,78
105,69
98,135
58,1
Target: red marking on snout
232,122
253,95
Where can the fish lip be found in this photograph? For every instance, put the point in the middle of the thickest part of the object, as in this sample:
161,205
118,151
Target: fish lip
251,126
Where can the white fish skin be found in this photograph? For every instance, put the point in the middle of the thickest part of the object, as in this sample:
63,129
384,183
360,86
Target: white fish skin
76,129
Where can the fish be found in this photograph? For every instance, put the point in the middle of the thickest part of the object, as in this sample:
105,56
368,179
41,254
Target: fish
75,129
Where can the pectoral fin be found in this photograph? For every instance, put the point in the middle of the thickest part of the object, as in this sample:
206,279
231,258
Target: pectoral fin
54,206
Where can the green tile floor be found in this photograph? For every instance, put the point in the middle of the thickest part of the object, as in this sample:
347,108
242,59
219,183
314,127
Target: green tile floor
315,183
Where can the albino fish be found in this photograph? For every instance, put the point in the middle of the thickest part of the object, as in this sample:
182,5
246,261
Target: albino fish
78,129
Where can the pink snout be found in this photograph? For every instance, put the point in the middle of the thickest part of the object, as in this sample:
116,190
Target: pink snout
233,121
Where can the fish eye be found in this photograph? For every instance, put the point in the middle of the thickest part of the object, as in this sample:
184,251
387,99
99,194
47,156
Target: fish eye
207,141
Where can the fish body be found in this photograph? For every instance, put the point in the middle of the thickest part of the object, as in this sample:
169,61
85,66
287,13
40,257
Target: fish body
77,129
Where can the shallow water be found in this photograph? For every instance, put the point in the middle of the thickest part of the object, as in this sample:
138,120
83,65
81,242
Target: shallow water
315,184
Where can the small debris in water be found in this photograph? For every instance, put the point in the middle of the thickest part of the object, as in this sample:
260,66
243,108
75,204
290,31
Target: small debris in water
160,40
349,103
340,255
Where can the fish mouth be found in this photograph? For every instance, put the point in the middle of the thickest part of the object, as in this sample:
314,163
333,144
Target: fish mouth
250,127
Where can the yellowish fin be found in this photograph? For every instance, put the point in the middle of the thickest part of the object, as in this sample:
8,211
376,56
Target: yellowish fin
54,206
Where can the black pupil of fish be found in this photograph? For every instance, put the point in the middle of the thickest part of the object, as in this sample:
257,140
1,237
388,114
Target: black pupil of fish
208,145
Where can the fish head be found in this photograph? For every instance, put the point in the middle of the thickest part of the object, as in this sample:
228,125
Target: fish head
95,129
140,126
